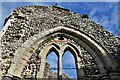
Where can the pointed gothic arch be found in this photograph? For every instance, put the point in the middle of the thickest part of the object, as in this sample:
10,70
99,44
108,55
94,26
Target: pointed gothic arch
69,65
37,39
51,66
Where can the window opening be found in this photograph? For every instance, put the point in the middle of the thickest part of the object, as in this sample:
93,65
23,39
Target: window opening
51,66
68,66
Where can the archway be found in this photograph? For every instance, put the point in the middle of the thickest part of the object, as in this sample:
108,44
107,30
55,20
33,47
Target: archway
68,65
51,66
78,39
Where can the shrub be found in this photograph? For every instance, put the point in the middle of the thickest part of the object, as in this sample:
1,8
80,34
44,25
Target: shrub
85,16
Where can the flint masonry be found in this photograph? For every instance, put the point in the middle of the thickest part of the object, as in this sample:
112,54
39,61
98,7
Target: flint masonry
31,32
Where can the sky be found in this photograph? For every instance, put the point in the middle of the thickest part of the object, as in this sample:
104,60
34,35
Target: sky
68,61
104,12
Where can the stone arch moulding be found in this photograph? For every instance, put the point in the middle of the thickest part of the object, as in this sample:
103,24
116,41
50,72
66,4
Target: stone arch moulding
59,52
44,53
23,53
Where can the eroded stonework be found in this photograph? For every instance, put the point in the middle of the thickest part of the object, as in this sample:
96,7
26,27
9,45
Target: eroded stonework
26,22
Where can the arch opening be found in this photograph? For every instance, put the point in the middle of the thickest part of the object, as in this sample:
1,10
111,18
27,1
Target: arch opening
51,65
68,65
76,66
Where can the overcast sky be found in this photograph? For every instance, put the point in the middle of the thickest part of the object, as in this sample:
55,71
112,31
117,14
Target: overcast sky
104,13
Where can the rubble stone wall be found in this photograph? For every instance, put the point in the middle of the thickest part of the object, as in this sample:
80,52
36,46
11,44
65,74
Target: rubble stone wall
25,22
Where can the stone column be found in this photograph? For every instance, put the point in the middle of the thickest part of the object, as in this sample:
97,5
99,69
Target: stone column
60,67
61,52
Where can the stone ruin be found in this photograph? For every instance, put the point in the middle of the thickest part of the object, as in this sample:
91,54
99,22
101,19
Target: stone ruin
29,29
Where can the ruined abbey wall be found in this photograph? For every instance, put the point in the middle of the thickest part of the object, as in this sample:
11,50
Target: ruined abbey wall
26,22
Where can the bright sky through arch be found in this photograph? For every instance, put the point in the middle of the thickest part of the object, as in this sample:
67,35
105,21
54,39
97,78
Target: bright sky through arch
68,61
53,60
